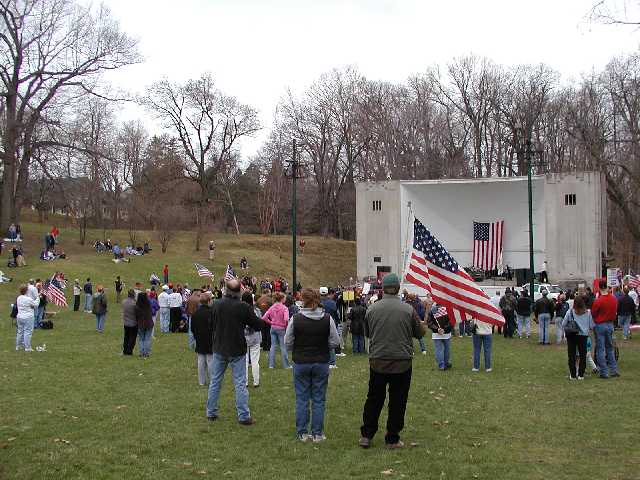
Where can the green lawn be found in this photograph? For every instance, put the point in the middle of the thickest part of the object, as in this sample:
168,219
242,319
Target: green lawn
80,410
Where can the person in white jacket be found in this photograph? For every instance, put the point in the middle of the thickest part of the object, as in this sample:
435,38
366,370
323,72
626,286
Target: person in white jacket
25,318
163,302
482,337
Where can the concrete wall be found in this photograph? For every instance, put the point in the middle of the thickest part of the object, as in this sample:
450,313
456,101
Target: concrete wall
576,234
377,231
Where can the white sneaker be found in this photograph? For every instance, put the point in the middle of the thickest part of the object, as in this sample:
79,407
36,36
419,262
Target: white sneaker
319,438
305,437
488,370
18,349
580,378
341,354
475,369
333,366
424,352
28,349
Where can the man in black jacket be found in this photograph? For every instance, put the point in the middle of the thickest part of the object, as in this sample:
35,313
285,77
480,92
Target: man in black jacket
523,314
626,312
230,317
356,319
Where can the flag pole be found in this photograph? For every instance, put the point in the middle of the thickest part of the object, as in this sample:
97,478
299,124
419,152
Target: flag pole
406,241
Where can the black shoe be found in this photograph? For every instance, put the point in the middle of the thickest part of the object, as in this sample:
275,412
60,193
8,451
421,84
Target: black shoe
248,422
604,377
448,366
256,386
212,419
364,442
615,374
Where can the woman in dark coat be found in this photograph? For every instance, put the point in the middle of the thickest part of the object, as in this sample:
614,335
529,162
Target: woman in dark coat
201,328
144,318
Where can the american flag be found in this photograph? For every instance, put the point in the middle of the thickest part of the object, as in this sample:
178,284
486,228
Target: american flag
229,274
433,269
203,271
440,312
634,281
54,293
487,244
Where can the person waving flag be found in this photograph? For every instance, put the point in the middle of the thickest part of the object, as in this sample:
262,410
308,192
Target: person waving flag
432,268
203,271
229,274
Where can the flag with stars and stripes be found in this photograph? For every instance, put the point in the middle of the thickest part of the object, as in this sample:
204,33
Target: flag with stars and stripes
432,268
54,293
229,274
203,271
487,245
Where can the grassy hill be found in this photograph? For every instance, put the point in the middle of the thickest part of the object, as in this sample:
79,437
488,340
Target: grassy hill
324,262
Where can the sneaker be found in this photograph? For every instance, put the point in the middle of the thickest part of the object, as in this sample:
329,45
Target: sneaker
28,349
604,377
304,437
333,366
475,369
571,378
213,418
395,446
448,366
18,349
580,378
615,374
364,442
248,422
424,352
489,370
319,438
341,354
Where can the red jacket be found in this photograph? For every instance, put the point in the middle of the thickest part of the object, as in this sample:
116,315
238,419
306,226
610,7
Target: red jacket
604,309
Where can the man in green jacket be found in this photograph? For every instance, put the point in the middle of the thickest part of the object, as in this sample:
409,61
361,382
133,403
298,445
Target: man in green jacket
391,326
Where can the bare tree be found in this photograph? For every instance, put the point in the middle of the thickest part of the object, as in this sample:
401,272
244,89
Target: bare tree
49,50
208,125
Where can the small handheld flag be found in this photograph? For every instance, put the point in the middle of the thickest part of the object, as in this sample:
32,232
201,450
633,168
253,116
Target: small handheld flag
203,271
229,274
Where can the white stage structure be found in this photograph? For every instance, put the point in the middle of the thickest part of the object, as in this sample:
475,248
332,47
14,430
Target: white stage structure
569,215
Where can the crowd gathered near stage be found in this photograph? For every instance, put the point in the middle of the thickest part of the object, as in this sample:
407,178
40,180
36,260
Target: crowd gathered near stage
228,323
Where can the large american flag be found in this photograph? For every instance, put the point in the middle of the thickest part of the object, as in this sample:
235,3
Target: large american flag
229,274
487,244
432,268
203,271
54,293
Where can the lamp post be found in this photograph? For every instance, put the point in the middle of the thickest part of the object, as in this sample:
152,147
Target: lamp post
294,165
528,153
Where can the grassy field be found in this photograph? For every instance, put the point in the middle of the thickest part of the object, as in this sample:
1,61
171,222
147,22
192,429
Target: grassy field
80,410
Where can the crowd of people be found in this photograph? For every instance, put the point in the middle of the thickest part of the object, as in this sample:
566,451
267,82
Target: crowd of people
228,328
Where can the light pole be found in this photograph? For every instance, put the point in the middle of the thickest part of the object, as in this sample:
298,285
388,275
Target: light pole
294,164
528,152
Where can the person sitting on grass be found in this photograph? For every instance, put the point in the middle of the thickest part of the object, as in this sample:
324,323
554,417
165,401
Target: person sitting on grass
310,335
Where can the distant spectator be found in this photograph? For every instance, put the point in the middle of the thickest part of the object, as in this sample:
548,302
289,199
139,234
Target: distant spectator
88,295
99,308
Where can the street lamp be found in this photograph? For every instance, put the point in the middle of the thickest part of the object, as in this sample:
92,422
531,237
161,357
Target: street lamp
294,173
525,149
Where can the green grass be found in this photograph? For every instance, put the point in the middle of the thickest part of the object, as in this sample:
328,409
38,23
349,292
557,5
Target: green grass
80,410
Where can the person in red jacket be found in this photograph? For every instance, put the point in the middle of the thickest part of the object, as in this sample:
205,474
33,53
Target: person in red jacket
604,311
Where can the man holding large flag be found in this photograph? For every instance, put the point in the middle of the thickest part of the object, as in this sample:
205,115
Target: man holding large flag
433,269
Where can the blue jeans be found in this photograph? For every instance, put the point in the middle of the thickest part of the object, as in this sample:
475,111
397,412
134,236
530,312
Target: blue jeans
423,347
524,321
605,353
442,348
625,322
144,341
100,318
88,302
164,319
482,342
238,371
357,343
24,333
310,383
559,330
277,338
544,321
39,316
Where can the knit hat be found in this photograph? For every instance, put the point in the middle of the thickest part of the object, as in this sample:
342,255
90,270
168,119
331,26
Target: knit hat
390,280
324,290
164,287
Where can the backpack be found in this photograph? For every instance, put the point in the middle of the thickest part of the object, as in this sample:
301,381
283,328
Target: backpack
571,328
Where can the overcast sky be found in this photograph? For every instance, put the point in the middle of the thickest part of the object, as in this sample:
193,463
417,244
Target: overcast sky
255,49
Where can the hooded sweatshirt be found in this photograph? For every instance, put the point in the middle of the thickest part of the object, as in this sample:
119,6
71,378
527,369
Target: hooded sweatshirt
277,316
